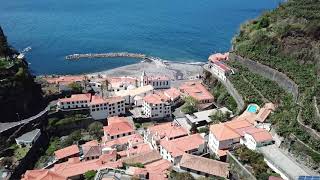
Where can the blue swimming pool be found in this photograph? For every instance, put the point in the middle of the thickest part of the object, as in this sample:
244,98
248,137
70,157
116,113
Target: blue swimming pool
252,108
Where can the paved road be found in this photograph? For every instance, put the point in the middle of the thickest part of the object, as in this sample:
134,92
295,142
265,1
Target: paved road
282,162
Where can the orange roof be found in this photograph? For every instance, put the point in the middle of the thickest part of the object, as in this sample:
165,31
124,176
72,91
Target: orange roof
145,158
153,99
265,111
42,174
77,97
118,81
219,57
137,149
118,125
196,90
238,124
91,143
65,79
223,132
172,93
134,171
71,169
136,138
114,99
177,147
97,100
66,152
160,78
222,153
158,170
170,130
205,165
260,135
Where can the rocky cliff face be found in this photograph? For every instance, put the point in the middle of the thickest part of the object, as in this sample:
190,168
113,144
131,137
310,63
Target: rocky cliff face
20,96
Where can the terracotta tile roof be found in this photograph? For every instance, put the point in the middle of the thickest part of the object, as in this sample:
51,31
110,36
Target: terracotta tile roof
197,163
77,97
118,125
170,130
97,100
177,147
196,90
91,151
238,124
260,135
223,132
137,149
144,158
222,153
155,78
119,81
265,111
66,152
135,171
134,92
219,57
274,178
42,174
135,138
153,99
71,169
91,143
172,93
158,170
114,99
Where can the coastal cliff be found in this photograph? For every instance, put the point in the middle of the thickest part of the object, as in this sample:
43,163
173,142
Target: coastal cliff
287,40
20,96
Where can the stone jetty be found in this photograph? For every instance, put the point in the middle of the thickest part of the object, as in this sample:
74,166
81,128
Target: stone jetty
106,55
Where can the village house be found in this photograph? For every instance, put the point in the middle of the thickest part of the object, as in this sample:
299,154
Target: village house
131,150
118,127
29,138
64,82
100,108
64,154
168,131
121,83
243,129
172,150
42,174
158,82
155,107
134,97
174,96
201,166
197,91
218,67
91,150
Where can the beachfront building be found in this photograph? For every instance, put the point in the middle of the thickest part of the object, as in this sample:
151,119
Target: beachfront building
158,82
117,127
197,91
100,108
167,131
134,97
172,150
121,83
155,107
29,138
218,67
201,166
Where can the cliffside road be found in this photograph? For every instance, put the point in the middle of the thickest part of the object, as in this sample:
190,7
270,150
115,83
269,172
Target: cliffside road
283,163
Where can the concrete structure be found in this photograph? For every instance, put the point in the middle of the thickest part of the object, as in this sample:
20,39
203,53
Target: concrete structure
76,101
155,107
204,166
158,82
118,127
172,150
256,138
134,97
169,131
28,139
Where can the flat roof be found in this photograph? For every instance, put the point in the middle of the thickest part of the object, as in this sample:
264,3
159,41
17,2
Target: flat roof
29,136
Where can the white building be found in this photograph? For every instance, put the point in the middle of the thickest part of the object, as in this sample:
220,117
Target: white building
29,138
158,82
100,108
134,96
256,138
173,150
218,67
155,107
122,83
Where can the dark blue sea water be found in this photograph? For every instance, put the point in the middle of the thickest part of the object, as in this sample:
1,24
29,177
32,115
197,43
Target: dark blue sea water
181,30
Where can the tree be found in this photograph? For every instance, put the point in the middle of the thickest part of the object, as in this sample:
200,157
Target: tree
75,136
95,130
190,105
181,176
89,175
219,116
76,87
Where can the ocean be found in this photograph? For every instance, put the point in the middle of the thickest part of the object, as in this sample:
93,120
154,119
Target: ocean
176,30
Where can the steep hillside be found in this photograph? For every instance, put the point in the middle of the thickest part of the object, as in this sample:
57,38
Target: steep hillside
287,39
20,96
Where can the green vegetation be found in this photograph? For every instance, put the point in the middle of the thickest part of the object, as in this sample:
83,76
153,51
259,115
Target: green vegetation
219,116
89,175
76,87
190,106
139,165
181,176
66,119
286,39
95,130
255,161
19,152
220,93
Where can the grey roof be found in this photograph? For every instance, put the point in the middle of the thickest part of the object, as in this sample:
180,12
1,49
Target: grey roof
29,136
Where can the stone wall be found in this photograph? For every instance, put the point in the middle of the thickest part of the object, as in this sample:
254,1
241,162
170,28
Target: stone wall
281,79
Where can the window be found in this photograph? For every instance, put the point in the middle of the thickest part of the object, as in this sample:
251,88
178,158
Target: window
93,110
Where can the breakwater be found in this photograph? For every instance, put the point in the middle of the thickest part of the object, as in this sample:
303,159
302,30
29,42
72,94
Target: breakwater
106,55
